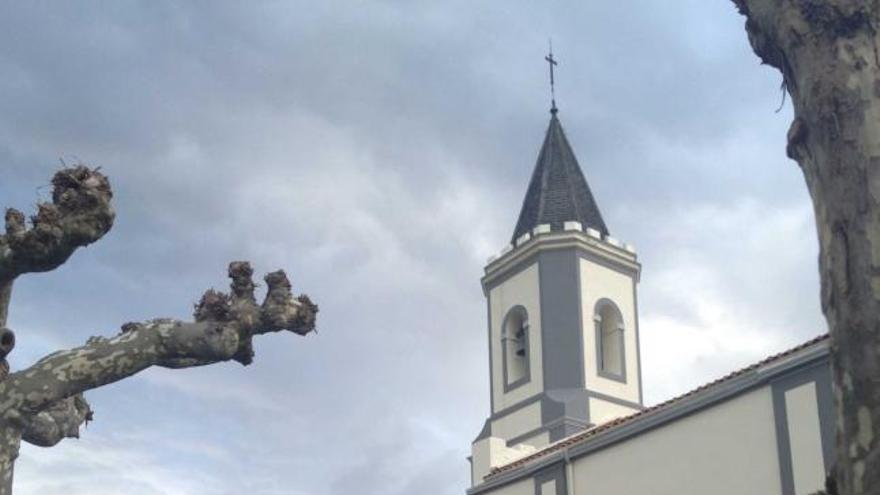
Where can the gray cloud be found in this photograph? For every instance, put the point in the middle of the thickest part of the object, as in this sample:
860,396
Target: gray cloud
379,152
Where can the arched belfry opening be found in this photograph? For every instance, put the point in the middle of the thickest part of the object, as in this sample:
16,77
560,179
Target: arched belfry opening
515,342
610,330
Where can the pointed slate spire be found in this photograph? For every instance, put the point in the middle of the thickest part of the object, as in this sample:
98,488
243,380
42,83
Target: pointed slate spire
558,191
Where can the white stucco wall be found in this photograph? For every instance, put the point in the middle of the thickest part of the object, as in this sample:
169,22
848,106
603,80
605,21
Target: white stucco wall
602,411
538,441
728,449
521,421
520,289
599,282
491,452
805,438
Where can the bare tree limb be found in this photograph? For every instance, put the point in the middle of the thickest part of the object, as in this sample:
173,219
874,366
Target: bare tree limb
79,214
44,403
222,331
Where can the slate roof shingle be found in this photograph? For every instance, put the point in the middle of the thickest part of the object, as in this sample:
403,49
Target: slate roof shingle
558,191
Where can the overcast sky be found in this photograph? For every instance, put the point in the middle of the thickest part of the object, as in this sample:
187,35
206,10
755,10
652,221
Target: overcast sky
379,152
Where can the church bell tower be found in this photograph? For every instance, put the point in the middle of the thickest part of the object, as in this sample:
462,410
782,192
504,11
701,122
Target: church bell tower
563,319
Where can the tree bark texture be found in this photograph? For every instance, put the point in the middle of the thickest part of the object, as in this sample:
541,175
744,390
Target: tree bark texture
827,52
44,403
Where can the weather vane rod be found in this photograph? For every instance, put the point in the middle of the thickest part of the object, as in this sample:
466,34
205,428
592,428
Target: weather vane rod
551,62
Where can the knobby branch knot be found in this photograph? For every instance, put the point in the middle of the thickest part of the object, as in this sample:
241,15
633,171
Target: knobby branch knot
239,309
7,343
80,213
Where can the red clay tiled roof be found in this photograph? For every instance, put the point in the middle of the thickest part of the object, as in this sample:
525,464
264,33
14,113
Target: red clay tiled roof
586,435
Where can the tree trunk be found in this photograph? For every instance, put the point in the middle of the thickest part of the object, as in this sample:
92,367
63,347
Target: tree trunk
10,441
827,51
5,297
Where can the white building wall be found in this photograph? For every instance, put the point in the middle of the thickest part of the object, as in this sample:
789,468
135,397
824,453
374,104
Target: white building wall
520,289
538,441
523,420
802,418
602,411
599,282
728,449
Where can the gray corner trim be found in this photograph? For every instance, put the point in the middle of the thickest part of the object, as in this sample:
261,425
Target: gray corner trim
527,435
527,376
552,473
491,360
517,474
638,344
561,341
558,428
565,412
561,416
621,377
516,407
544,396
615,400
812,356
820,375
566,427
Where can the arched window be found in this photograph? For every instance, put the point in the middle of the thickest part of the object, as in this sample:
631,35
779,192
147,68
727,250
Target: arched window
609,341
515,347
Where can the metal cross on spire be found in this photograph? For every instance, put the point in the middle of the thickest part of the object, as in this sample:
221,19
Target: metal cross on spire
551,62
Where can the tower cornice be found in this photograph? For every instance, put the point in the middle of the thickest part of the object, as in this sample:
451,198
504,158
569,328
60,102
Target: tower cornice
606,251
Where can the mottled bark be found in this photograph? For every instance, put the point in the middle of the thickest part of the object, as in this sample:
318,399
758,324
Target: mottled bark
44,403
827,52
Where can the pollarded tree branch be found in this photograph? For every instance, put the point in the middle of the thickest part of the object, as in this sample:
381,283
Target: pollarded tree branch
222,331
79,214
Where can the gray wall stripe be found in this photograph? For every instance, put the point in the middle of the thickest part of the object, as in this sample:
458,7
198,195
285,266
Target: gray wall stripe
556,473
820,374
561,343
